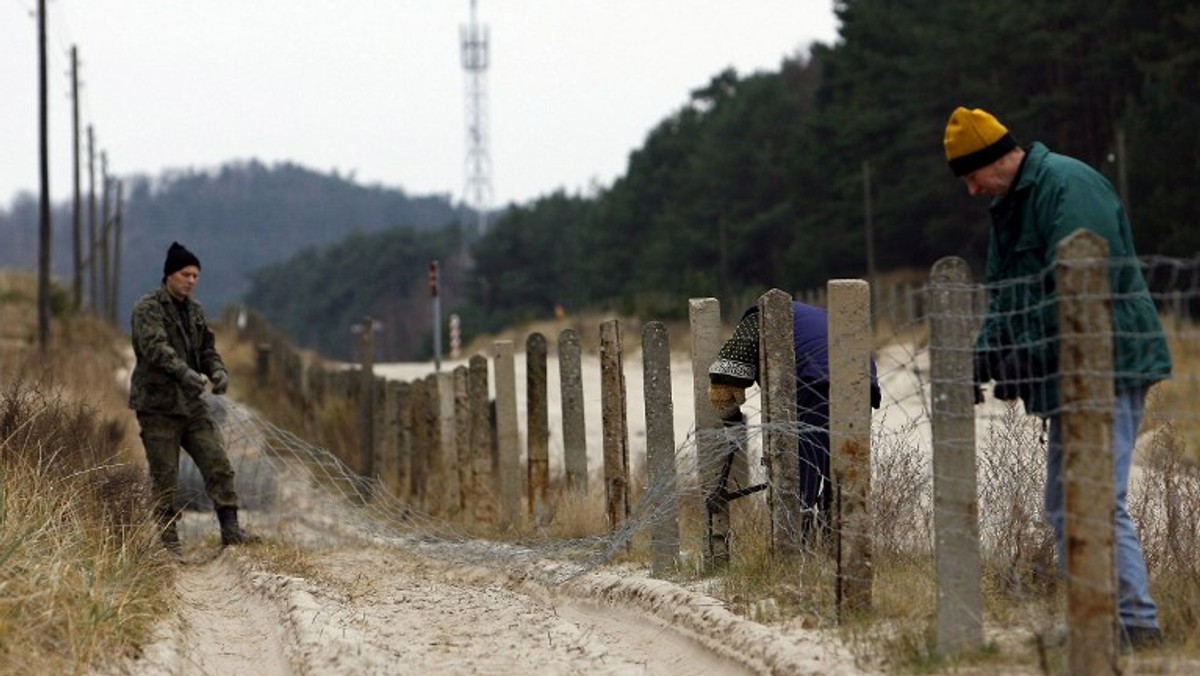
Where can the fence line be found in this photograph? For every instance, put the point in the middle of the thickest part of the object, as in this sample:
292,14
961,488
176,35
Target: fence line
439,445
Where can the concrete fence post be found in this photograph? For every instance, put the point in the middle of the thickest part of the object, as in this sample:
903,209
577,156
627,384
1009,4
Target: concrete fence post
850,342
462,439
660,449
508,438
482,457
574,432
537,428
366,393
777,378
614,424
404,441
1088,399
421,442
955,496
444,452
386,434
704,316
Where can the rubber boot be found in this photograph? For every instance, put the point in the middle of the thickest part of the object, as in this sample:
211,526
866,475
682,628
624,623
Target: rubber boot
231,532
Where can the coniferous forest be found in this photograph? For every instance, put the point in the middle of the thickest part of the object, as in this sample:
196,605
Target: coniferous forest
757,180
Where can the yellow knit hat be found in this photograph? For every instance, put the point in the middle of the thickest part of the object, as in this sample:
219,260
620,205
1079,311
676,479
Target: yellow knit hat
975,139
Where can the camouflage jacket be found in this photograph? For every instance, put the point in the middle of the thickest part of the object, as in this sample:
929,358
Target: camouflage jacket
165,348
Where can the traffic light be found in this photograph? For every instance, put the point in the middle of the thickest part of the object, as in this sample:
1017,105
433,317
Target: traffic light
433,278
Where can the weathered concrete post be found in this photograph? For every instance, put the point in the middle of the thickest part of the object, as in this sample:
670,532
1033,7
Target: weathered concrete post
462,438
387,434
537,426
483,461
1088,399
615,425
660,449
366,416
404,440
445,451
777,378
507,435
955,498
704,316
574,433
850,342
421,440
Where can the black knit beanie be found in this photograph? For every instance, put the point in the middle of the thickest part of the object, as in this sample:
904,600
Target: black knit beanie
178,258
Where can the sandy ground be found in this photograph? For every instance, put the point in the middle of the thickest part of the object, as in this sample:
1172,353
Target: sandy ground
369,604
372,606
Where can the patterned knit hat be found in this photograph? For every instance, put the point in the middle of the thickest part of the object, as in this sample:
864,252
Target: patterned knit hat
975,139
178,258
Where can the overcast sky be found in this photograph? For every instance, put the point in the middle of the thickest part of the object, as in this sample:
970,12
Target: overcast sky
376,87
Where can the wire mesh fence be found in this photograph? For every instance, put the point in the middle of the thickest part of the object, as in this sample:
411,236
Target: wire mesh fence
936,477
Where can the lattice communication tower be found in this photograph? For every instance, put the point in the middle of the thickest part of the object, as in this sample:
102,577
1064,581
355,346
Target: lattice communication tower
478,189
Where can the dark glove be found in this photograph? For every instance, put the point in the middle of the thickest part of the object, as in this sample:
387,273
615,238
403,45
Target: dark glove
220,382
982,375
1015,376
193,383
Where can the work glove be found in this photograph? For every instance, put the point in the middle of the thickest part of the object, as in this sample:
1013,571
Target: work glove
220,382
982,375
726,400
1016,377
193,383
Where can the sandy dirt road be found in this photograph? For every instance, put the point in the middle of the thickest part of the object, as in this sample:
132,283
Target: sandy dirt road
366,606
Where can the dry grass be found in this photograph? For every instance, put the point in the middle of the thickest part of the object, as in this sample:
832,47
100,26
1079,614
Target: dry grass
82,577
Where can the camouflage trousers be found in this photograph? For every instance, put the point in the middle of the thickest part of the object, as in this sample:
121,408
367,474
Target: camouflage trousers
163,436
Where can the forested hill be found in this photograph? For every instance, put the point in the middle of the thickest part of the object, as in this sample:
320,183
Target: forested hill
762,180
236,218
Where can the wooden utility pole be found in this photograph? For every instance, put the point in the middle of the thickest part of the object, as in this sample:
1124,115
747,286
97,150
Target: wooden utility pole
91,258
44,211
105,222
77,225
115,285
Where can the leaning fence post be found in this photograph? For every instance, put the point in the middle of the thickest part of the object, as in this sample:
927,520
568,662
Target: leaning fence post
537,427
955,498
1086,377
850,438
615,425
662,496
704,315
574,433
508,438
777,379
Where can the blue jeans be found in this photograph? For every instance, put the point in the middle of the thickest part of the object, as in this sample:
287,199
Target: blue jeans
1134,604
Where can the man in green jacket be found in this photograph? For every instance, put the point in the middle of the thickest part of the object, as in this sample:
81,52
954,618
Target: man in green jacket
175,350
1038,199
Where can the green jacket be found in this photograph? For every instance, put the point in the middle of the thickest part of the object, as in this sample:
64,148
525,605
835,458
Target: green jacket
166,348
1051,197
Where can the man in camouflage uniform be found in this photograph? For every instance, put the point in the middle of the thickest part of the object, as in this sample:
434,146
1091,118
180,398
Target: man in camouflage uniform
175,350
